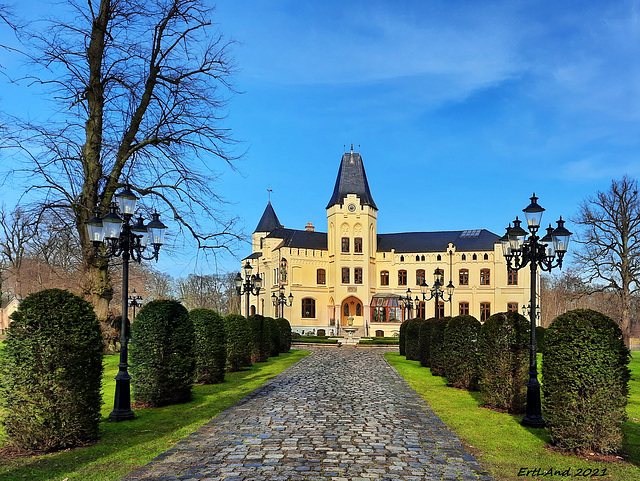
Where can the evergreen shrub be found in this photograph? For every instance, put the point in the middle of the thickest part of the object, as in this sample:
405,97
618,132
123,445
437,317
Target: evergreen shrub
285,334
210,349
272,332
436,346
585,379
260,338
402,335
424,339
503,361
540,332
51,372
238,342
412,339
460,352
162,354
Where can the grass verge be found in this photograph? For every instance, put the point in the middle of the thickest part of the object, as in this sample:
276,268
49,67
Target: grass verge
504,447
127,445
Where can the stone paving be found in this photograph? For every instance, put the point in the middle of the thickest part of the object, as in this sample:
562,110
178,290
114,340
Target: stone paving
339,413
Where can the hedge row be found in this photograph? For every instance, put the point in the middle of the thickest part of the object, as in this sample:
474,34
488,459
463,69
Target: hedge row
584,370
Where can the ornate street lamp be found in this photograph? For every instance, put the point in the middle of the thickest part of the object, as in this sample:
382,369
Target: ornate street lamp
135,301
252,285
114,236
281,300
407,302
546,253
437,292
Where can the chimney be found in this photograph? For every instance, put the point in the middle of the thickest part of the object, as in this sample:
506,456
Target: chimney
309,227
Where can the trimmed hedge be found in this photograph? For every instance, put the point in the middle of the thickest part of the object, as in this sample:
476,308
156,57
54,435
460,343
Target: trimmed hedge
460,350
412,339
238,342
436,346
51,372
260,340
162,360
503,358
425,338
540,334
210,348
585,382
285,334
272,333
402,335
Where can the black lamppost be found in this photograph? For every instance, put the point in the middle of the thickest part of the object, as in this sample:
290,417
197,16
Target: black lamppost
407,302
135,301
437,292
114,236
281,300
546,253
252,285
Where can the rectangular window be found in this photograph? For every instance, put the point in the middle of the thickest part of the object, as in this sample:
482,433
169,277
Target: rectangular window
512,278
440,309
419,277
357,245
308,308
321,276
485,311
464,277
402,278
464,308
345,275
357,275
384,278
512,307
345,244
485,278
421,310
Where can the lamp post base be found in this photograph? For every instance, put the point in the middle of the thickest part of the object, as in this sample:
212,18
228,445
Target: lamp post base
533,417
121,415
534,422
122,401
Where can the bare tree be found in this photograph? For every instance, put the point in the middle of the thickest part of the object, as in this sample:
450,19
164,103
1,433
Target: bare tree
140,89
610,240
17,229
213,291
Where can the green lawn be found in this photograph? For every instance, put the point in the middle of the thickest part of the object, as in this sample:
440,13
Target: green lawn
127,445
504,447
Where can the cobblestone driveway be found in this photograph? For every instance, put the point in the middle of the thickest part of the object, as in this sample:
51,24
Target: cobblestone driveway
339,413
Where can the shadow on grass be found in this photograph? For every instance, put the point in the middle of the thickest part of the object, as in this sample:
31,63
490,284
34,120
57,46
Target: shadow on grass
127,445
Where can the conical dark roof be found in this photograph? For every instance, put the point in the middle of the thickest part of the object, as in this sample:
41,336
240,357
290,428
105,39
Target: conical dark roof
269,220
352,179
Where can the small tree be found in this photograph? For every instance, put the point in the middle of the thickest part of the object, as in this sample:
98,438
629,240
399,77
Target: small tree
285,334
585,381
503,361
51,372
412,339
162,358
460,349
436,346
210,345
238,342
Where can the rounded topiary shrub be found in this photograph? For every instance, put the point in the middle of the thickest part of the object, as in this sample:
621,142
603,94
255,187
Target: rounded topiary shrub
503,361
272,332
436,346
260,338
284,329
460,349
425,337
402,335
51,372
210,349
585,381
238,342
161,354
412,339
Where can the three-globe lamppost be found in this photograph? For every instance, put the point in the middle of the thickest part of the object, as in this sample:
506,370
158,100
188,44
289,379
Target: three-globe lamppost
281,300
135,300
546,253
407,302
437,292
114,236
251,285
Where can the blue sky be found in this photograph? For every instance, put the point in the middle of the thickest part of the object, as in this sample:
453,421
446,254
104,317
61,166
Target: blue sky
460,109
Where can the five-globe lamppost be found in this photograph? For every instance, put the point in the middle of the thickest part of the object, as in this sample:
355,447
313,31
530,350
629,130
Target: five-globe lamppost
252,285
114,236
437,292
281,300
546,253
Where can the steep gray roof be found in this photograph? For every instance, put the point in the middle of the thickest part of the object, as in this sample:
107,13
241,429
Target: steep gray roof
300,238
352,179
269,220
467,240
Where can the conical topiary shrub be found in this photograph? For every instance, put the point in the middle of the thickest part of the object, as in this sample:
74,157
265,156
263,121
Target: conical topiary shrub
238,342
51,371
412,339
210,349
436,347
285,334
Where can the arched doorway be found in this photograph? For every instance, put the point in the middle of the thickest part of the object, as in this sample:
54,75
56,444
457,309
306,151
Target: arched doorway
352,306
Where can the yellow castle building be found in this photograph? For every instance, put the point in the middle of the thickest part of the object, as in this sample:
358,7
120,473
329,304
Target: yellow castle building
353,275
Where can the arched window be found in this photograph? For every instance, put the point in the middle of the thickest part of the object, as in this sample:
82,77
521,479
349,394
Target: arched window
321,276
345,309
464,257
475,257
422,257
486,257
358,309
384,278
402,277
308,308
417,258
439,257
401,258
252,311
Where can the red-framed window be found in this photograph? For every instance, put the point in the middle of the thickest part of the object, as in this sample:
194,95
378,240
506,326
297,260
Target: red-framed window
485,277
485,311
357,245
357,275
384,278
463,277
402,277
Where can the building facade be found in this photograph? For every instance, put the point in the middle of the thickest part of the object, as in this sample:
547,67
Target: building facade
353,274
